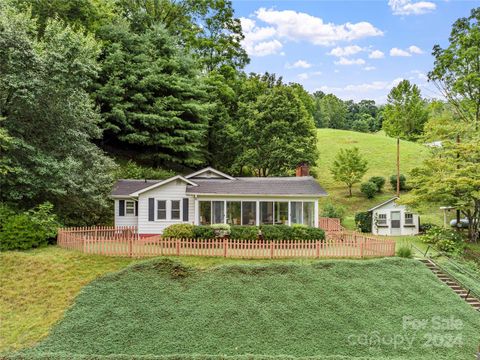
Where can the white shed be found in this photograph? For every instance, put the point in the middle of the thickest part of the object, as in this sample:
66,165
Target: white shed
392,219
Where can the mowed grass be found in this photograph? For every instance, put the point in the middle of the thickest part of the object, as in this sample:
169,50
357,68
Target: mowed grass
381,154
320,308
37,286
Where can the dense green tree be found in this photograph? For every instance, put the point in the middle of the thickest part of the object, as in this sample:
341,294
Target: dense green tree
50,119
277,131
332,112
405,113
152,99
349,167
363,123
206,27
87,14
456,70
451,177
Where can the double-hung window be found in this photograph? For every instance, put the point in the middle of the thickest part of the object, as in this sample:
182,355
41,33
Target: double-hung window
161,210
382,219
408,219
175,210
130,207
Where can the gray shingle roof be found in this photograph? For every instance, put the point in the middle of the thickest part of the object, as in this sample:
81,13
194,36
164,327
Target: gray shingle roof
305,185
126,187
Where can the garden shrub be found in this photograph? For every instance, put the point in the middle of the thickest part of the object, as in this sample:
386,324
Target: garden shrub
404,252
333,211
26,230
302,232
239,232
203,232
221,230
403,182
276,232
363,220
179,231
442,239
423,228
369,189
379,181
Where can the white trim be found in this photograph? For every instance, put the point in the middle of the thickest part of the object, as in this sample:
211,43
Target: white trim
309,196
384,203
164,182
209,169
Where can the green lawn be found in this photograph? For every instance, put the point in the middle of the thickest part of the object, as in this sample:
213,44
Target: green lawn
315,308
380,151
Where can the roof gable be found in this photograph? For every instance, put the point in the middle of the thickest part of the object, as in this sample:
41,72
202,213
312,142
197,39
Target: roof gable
169,180
209,173
384,203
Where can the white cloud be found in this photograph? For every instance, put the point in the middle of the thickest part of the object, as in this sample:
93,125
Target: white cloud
300,26
345,51
369,68
420,75
345,61
399,52
255,39
265,48
316,73
299,64
415,50
375,90
376,54
407,7
303,76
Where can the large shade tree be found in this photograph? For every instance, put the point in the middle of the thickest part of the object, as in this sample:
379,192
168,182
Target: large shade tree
49,120
405,112
277,131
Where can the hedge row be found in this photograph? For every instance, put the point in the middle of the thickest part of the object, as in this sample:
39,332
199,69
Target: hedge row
267,232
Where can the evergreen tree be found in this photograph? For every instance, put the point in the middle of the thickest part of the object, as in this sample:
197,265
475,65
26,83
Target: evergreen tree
152,99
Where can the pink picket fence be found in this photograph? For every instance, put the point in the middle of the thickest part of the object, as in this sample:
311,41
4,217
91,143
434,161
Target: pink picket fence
125,241
330,224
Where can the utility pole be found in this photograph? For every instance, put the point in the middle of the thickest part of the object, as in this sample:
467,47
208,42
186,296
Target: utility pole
398,167
458,167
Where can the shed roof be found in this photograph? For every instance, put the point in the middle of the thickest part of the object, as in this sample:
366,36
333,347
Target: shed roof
384,203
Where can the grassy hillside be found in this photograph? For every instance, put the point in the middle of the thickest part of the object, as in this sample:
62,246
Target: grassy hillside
381,153
162,307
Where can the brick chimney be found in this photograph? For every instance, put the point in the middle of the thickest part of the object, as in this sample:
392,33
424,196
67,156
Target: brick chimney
302,170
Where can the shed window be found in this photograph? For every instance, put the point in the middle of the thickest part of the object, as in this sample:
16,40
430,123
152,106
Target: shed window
175,211
408,219
161,210
130,207
382,219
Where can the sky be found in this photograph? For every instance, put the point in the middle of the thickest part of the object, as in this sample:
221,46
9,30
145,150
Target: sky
353,49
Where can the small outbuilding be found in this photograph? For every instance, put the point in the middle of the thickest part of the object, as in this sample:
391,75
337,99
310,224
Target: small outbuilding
392,219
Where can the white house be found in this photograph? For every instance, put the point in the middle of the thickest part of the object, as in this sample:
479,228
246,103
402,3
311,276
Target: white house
392,219
209,196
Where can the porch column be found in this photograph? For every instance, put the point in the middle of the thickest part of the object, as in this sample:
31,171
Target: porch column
257,213
196,215
315,214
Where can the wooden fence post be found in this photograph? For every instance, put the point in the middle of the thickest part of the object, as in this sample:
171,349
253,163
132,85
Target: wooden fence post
130,246
225,246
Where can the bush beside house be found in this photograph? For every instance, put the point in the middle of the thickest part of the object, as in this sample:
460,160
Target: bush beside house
26,230
239,232
363,220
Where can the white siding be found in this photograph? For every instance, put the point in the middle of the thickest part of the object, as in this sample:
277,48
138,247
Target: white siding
172,191
127,220
387,210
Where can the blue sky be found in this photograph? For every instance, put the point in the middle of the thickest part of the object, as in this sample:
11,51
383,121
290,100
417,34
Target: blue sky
354,49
